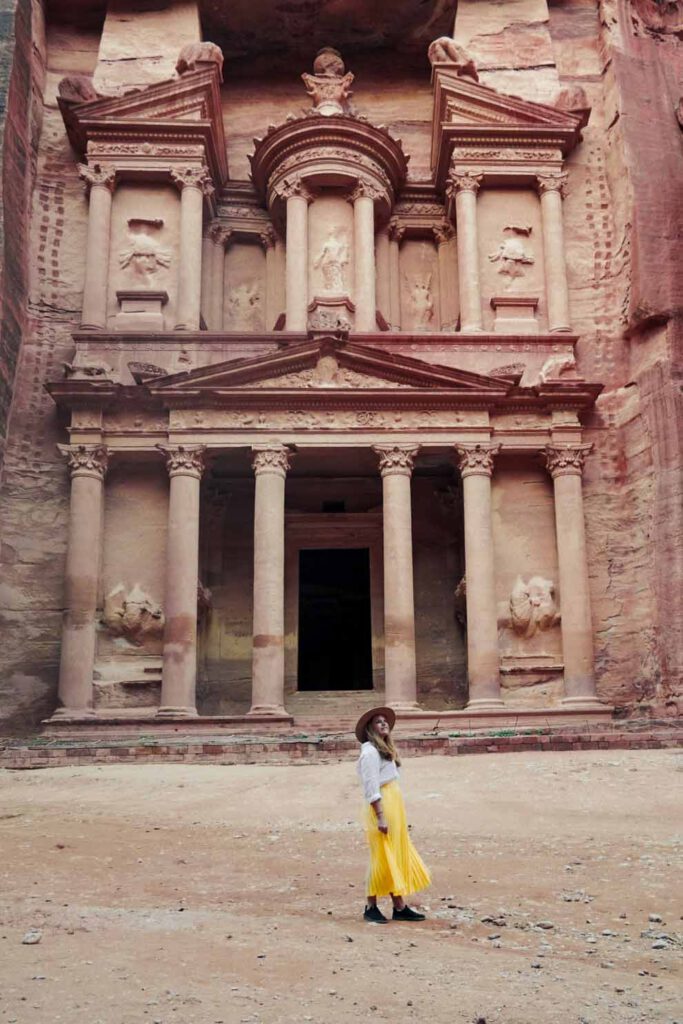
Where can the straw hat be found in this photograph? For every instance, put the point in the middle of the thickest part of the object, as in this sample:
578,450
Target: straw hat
362,722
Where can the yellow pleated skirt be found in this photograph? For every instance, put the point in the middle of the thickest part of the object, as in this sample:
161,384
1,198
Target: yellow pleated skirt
395,865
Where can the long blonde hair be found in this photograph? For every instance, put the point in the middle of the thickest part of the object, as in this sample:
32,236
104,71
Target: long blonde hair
386,747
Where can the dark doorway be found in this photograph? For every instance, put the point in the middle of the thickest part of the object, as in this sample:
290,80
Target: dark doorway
334,619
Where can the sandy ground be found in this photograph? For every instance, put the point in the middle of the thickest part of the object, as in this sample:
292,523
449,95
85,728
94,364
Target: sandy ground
218,895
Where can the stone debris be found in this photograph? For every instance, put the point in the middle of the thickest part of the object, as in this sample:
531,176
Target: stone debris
32,937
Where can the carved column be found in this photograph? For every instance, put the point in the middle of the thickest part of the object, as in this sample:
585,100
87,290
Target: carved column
363,198
444,234
273,310
383,274
551,190
483,661
396,233
465,187
270,463
298,197
101,180
396,467
87,465
179,676
207,279
565,465
220,236
194,183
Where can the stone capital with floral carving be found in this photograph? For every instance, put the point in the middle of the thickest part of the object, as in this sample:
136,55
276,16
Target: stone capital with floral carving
184,460
271,458
443,232
86,459
220,235
566,460
396,230
294,187
476,459
97,173
552,182
193,177
268,237
364,189
396,458
463,181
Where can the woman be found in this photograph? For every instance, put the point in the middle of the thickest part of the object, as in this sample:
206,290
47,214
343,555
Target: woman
396,868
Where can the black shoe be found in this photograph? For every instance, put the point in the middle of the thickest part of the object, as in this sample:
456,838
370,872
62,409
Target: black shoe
407,914
374,915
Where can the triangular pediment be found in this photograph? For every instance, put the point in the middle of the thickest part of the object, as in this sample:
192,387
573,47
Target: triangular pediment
329,365
463,101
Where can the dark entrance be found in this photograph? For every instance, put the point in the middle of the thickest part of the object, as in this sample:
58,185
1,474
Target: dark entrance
334,619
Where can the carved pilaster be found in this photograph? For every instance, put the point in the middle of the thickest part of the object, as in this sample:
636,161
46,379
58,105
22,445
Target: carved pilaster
566,460
184,460
396,459
476,459
271,459
86,459
552,182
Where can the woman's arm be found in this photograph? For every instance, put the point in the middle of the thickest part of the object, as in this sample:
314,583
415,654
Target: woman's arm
369,773
379,814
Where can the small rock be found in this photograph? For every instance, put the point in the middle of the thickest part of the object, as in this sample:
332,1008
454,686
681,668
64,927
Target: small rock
546,925
660,944
349,938
536,964
655,918
32,937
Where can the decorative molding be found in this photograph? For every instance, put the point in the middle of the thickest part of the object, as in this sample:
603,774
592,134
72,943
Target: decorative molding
98,174
272,458
555,182
476,459
184,460
566,460
396,459
86,459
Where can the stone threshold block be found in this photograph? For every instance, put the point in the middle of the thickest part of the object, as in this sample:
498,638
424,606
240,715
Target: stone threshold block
140,310
515,314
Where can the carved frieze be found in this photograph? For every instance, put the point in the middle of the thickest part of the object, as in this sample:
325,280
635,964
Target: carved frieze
152,149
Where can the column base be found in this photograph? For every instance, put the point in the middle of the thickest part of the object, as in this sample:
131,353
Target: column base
471,329
91,327
560,330
265,710
485,704
583,703
76,713
176,712
401,706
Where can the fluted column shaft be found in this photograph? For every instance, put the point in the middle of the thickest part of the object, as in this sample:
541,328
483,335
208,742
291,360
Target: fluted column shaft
179,673
101,179
565,465
550,187
270,464
365,299
297,197
483,659
194,184
88,465
465,188
400,671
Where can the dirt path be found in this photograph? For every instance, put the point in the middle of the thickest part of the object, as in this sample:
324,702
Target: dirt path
179,894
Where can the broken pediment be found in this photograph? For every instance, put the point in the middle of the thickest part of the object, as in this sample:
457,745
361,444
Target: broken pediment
467,113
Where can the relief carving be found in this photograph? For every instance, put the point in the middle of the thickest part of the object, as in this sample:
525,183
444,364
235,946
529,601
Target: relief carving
333,260
95,370
75,89
421,300
445,50
244,304
512,254
557,366
143,255
532,607
330,85
193,54
329,320
134,616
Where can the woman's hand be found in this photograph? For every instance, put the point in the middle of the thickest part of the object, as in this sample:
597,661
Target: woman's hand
382,825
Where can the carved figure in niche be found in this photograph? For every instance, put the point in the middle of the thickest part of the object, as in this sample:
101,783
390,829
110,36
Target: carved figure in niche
333,260
134,616
532,606
512,254
245,306
193,54
421,300
94,370
445,50
329,86
144,255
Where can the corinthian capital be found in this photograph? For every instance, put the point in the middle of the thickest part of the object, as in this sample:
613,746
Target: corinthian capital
396,458
86,459
476,459
364,188
271,458
219,234
566,460
184,460
443,232
193,177
396,230
463,181
98,174
294,186
268,237
553,182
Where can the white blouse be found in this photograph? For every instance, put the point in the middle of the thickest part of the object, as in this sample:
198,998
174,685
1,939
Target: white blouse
374,772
